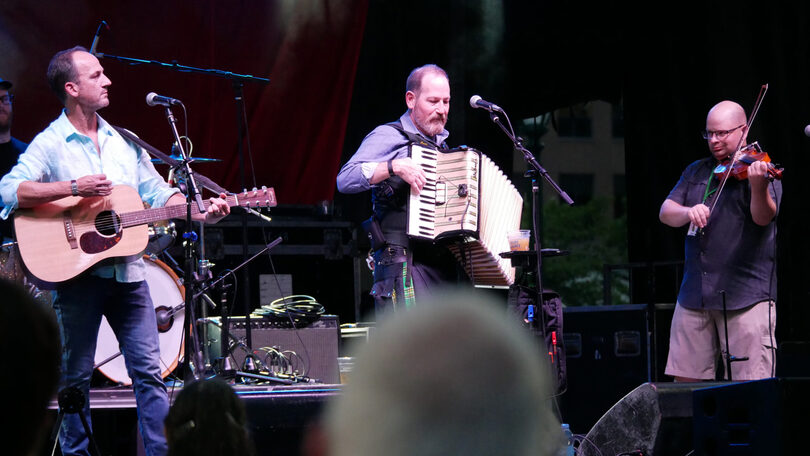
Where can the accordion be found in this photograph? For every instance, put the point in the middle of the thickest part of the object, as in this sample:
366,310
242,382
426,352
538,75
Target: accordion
467,200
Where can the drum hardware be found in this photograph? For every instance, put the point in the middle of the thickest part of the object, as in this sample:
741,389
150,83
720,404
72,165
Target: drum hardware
161,236
190,159
170,259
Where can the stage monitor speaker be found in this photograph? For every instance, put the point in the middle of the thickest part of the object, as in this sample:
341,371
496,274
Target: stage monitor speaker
316,345
752,418
279,420
607,355
653,419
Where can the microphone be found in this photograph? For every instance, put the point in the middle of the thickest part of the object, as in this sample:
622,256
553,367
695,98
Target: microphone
807,131
478,102
153,99
162,316
98,34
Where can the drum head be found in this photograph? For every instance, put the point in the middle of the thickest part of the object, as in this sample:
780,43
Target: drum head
166,291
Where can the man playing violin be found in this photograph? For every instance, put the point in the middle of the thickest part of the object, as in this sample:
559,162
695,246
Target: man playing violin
730,257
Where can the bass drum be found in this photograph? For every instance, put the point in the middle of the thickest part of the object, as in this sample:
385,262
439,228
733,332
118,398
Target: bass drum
167,294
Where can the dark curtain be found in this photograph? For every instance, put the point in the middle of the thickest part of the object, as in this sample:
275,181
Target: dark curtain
296,123
668,64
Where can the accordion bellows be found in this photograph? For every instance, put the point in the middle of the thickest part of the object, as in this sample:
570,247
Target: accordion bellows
471,204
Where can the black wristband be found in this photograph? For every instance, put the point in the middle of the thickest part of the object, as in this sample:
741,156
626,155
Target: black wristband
74,187
391,168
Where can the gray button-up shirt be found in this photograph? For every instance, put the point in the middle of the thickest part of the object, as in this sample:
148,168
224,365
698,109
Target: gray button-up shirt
732,254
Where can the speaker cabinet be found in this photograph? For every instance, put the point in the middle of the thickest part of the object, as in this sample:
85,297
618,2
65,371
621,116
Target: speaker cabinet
607,356
279,420
653,419
752,418
315,345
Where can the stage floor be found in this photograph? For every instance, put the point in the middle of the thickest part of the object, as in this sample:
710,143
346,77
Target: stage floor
279,416
123,397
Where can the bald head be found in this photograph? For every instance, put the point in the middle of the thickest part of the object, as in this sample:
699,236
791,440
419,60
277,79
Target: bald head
727,110
725,126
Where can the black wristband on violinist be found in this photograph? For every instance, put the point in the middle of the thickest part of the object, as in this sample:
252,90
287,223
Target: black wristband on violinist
74,187
391,168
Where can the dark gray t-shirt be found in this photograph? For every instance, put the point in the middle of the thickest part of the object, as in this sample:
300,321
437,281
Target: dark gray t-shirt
732,253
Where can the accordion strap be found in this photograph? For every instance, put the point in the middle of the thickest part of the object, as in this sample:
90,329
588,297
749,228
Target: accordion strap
414,137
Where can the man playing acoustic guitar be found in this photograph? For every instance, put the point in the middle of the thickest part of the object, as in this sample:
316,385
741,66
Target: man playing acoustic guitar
81,155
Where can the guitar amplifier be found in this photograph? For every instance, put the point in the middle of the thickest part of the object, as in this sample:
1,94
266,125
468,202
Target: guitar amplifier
312,349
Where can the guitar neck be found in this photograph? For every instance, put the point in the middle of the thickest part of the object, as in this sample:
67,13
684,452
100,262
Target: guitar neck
157,214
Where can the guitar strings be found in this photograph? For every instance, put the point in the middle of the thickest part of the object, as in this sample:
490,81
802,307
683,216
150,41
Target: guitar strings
109,220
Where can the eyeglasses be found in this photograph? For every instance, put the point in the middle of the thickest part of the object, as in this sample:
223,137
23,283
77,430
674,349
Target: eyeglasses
719,134
7,99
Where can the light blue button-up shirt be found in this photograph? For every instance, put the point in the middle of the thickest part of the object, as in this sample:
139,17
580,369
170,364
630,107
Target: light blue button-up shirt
61,153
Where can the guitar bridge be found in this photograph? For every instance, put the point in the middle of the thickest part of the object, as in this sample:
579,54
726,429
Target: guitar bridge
70,232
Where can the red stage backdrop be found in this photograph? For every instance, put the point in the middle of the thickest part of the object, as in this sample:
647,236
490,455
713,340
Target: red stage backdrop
307,49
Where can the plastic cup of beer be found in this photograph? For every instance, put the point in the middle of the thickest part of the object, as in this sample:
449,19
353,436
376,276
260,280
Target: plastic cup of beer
519,240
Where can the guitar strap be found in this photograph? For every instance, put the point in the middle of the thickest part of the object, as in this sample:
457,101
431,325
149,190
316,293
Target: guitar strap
202,180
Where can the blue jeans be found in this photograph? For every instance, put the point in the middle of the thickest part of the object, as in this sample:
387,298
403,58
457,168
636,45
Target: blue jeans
128,307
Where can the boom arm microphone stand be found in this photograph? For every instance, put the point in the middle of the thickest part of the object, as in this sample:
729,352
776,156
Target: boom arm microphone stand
192,195
237,83
535,170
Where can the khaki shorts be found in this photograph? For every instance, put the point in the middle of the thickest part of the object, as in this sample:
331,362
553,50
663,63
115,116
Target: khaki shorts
697,338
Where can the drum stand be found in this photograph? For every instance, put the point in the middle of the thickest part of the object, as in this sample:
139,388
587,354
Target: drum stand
71,400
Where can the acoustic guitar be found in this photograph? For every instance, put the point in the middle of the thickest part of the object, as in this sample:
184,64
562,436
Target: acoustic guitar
61,239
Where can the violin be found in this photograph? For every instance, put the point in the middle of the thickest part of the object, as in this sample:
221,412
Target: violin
744,157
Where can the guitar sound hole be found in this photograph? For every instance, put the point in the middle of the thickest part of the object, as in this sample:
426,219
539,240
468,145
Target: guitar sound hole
108,223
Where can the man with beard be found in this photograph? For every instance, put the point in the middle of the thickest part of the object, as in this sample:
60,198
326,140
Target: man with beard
404,268
10,147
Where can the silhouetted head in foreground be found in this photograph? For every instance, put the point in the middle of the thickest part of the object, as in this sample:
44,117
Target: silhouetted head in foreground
208,418
446,377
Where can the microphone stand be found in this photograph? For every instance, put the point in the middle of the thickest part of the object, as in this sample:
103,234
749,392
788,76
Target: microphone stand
535,170
192,193
225,335
237,81
729,357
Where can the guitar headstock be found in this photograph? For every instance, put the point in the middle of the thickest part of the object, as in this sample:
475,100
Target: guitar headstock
263,197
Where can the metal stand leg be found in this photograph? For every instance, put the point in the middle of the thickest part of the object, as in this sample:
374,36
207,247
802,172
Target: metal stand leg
71,400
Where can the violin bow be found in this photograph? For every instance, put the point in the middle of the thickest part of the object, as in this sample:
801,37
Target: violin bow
734,158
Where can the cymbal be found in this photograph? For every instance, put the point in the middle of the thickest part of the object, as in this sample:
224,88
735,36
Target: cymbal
194,159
